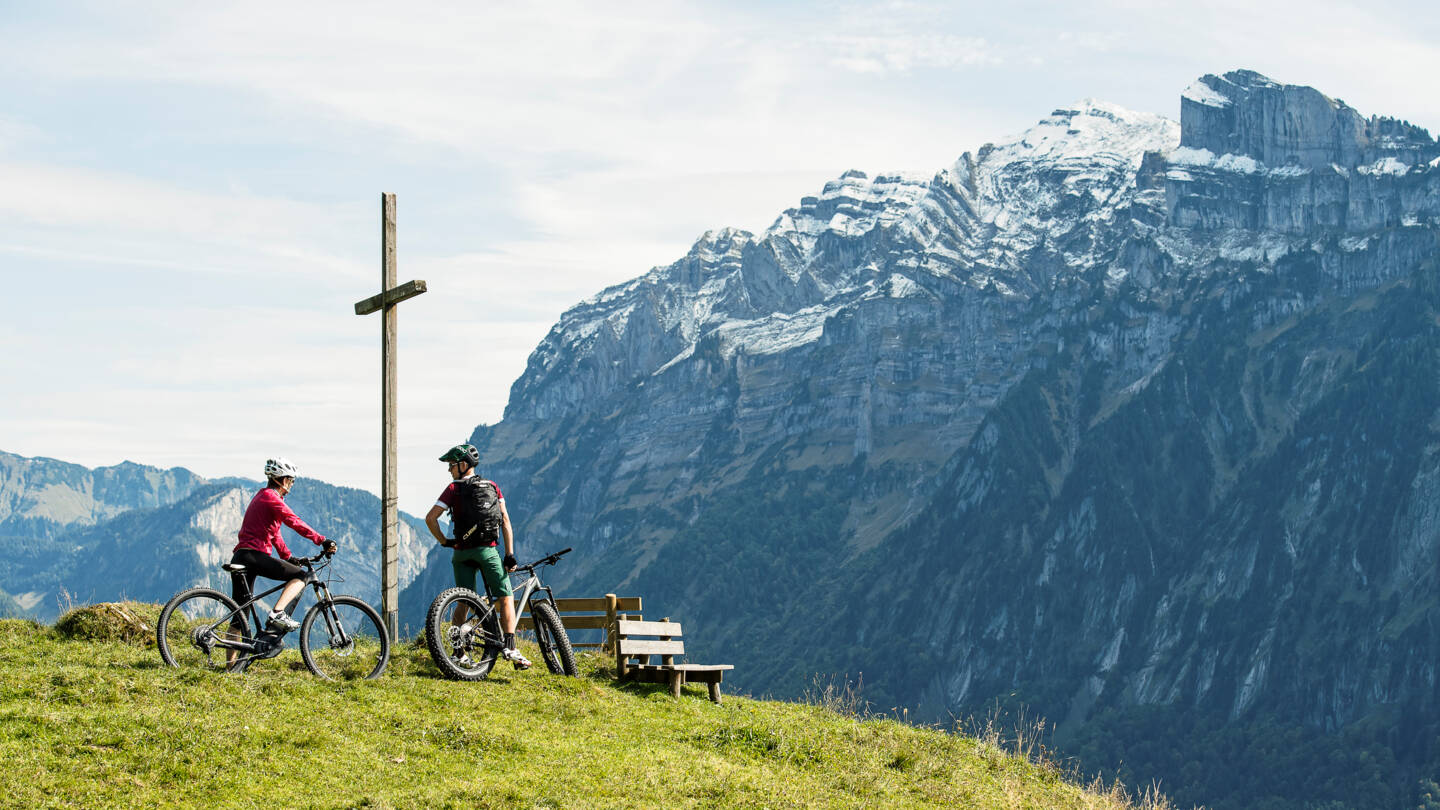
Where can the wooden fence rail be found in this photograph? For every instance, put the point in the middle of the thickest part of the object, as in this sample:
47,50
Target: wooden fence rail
590,613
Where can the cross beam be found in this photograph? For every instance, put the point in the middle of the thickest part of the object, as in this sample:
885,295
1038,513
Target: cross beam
405,291
384,303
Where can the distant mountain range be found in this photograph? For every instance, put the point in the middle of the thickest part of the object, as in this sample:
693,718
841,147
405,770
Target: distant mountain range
69,534
1130,422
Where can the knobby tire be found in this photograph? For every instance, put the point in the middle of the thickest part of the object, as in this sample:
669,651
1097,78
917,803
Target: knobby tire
554,641
487,638
366,647
176,631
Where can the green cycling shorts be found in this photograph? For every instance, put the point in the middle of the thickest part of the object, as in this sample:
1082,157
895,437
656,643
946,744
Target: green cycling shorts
485,559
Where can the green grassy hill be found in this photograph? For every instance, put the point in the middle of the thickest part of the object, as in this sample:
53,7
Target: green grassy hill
88,719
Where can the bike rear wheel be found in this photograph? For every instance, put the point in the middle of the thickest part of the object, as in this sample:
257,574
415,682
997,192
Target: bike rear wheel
192,623
344,639
553,640
464,650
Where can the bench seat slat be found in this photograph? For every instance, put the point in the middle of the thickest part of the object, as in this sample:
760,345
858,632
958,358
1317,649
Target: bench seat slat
683,667
675,677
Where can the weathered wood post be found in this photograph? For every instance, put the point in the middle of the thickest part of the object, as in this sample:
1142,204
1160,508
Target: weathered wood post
612,608
385,302
621,670
677,678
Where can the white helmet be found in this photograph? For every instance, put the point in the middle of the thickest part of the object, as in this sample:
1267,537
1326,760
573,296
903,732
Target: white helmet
280,468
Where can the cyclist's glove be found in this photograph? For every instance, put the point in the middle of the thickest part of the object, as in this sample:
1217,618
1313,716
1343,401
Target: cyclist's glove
509,562
329,547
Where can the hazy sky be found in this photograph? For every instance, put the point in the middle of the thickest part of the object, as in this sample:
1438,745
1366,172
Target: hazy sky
191,190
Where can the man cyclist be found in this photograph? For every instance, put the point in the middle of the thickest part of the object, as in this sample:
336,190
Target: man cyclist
478,549
259,533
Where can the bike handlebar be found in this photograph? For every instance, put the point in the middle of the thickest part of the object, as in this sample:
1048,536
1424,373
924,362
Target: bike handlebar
550,560
310,561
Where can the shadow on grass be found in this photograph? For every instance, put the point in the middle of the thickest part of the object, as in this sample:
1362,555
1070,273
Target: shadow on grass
650,691
412,659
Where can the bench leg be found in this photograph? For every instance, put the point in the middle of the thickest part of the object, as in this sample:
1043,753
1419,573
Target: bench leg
715,692
676,678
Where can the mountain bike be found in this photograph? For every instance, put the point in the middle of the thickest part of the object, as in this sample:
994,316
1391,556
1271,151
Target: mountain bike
462,628
341,637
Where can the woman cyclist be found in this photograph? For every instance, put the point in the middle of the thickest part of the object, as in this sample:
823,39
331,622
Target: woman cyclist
259,532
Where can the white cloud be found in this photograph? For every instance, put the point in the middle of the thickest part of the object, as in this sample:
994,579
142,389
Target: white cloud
57,199
16,133
903,51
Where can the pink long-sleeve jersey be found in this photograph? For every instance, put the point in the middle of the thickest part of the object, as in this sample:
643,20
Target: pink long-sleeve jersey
261,528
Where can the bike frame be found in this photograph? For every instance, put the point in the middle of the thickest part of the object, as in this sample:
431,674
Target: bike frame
527,592
530,587
247,643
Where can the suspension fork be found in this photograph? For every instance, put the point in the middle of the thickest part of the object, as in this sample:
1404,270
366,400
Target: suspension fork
327,610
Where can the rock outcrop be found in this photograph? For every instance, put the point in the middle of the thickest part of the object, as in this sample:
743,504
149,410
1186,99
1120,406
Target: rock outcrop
1257,155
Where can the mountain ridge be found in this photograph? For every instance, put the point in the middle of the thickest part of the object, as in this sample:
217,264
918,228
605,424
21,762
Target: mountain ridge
72,534
1038,431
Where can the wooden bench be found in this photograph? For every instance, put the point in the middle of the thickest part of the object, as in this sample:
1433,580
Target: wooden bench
667,646
593,613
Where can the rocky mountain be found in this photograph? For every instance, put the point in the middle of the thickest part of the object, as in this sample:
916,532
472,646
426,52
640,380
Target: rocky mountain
1130,423
38,495
74,535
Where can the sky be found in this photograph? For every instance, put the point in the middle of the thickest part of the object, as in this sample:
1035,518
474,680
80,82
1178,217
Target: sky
191,191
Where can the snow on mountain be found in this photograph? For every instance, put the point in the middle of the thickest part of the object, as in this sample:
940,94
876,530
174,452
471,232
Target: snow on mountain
974,223
1201,93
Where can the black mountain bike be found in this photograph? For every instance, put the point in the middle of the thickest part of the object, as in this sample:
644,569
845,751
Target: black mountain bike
462,628
341,637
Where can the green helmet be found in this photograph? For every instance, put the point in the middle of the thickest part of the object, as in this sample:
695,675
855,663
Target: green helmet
462,452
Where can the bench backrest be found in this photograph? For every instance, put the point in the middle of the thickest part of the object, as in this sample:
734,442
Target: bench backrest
666,644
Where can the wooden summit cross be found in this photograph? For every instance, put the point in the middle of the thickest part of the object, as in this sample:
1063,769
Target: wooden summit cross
385,302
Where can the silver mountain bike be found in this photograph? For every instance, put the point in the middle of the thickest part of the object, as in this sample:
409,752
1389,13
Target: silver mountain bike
463,633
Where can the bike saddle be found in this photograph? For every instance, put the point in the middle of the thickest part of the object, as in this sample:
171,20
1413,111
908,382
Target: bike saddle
234,568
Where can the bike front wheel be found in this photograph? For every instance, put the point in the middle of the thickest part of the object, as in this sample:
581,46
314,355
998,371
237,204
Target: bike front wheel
195,625
462,632
344,639
553,640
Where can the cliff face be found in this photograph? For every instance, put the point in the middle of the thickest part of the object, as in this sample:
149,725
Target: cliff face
1256,155
1247,115
879,321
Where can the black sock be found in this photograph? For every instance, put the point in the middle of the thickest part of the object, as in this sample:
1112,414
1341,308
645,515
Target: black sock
509,641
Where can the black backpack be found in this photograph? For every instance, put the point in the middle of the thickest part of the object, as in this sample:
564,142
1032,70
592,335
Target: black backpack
475,513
